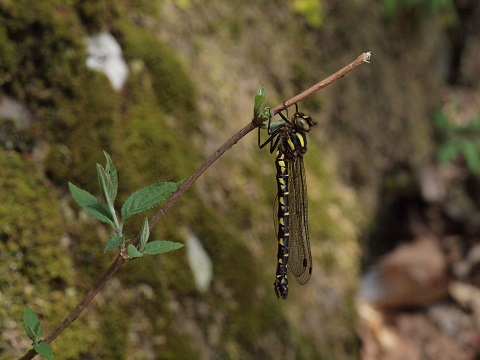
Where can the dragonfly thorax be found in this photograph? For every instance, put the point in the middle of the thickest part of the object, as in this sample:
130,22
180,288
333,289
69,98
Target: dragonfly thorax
293,144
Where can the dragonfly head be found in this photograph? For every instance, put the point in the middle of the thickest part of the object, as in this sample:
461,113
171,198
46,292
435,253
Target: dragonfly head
302,121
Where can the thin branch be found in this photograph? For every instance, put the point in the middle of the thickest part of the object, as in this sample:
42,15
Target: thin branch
120,261
363,58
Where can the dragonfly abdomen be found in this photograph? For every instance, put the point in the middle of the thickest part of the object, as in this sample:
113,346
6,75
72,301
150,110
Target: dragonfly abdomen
283,234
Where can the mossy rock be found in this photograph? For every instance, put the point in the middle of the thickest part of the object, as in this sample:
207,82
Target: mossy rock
172,87
38,268
82,128
31,229
46,36
30,221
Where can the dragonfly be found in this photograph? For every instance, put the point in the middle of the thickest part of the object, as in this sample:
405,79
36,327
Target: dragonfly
288,137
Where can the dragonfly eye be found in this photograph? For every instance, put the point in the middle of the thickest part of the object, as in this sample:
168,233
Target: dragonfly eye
303,122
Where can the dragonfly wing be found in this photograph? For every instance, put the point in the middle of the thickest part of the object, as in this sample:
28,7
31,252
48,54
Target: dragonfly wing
300,255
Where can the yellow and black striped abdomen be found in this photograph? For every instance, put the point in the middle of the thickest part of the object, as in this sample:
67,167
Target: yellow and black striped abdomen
283,216
294,253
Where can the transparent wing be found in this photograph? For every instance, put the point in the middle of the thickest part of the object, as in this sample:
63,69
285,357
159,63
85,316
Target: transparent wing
300,255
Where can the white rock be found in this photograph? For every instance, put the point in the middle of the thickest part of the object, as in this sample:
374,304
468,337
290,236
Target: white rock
105,55
199,262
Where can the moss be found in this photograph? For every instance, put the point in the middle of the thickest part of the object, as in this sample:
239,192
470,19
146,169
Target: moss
98,14
178,345
30,221
31,227
88,239
115,323
46,35
147,144
75,107
31,230
172,87
82,127
8,60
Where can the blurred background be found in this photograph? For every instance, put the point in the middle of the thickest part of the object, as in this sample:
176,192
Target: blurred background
392,171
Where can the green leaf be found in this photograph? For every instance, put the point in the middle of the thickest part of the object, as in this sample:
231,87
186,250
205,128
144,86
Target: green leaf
31,324
43,349
161,247
133,252
113,242
91,205
108,180
259,100
146,198
145,235
266,113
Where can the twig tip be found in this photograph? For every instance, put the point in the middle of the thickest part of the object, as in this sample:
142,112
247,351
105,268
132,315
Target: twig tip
367,56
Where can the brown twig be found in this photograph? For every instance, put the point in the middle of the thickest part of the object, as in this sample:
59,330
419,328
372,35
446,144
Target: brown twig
363,58
120,261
